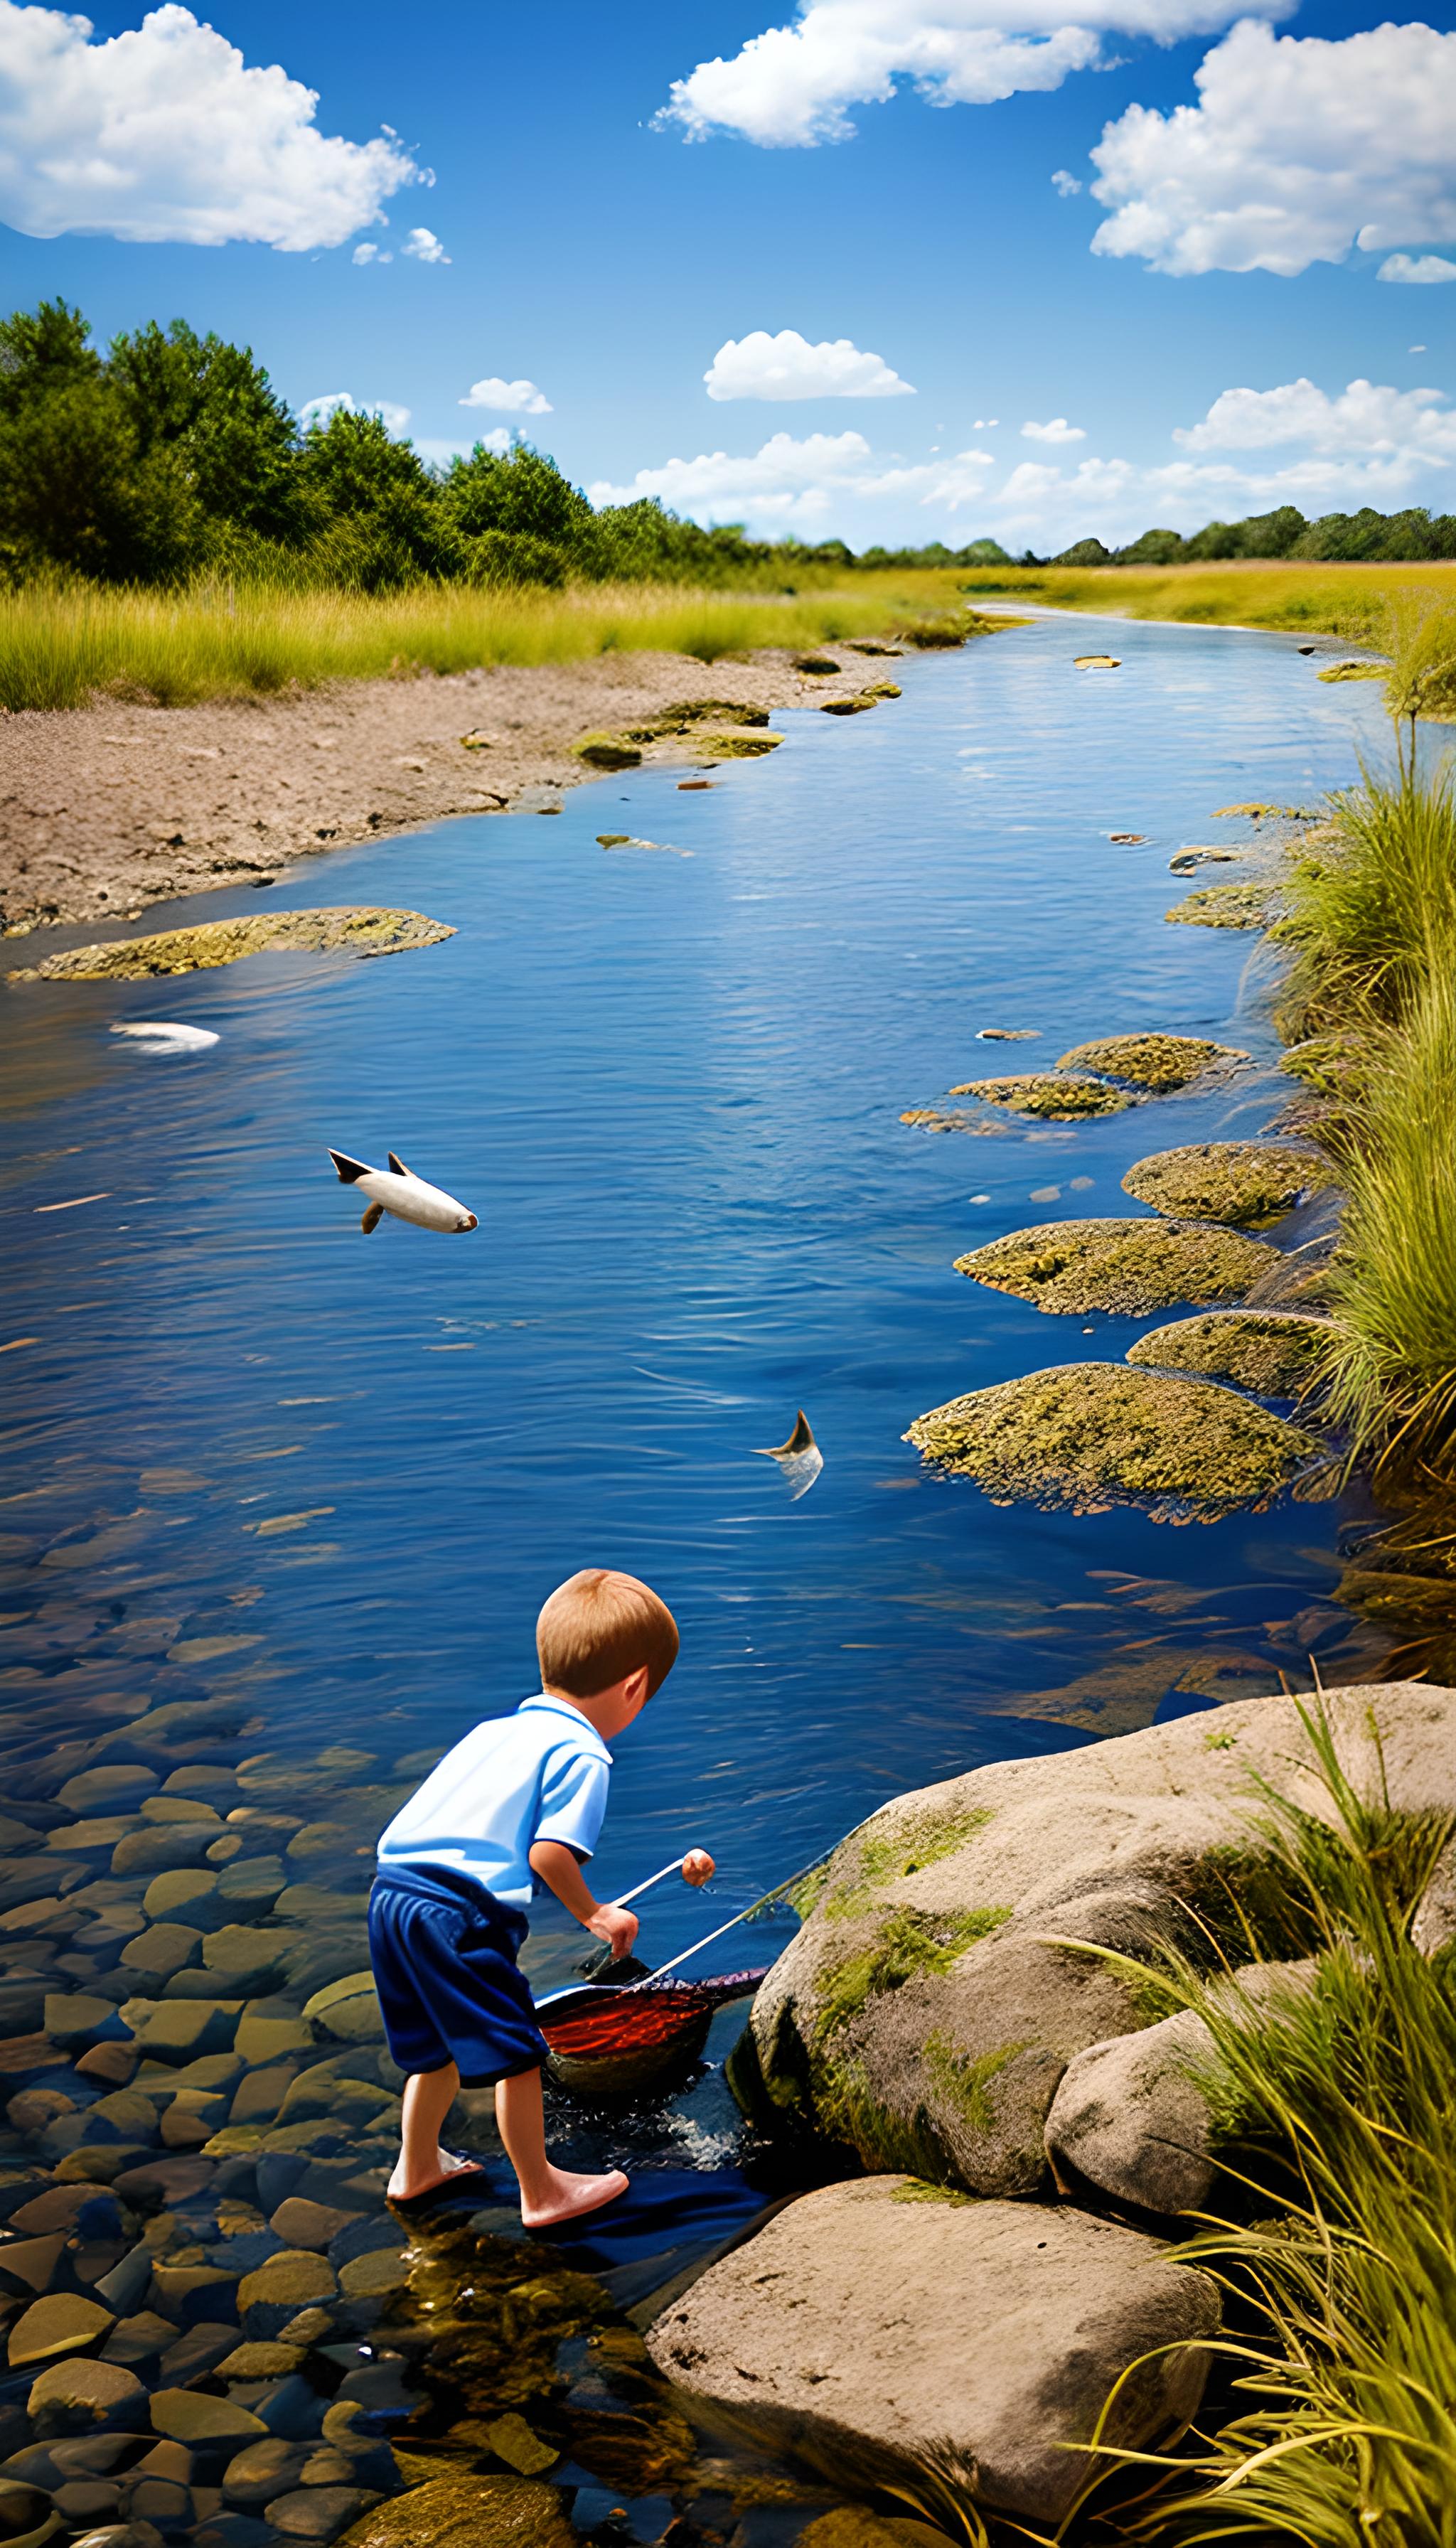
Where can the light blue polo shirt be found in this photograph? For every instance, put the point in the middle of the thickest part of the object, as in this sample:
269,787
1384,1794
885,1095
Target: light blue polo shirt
539,1775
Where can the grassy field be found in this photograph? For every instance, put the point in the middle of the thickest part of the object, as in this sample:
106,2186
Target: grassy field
61,645
1280,594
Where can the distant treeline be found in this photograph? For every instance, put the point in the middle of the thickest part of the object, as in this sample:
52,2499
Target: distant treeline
1284,533
172,455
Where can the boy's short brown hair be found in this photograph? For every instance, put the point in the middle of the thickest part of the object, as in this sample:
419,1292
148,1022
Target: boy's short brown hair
601,1625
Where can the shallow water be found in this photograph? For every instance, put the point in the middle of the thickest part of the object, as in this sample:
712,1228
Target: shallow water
324,1481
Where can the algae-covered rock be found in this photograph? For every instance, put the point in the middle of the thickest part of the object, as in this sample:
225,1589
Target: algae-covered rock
1247,1183
1227,906
602,751
815,663
1092,1435
708,746
1275,1352
352,930
935,1119
459,2509
1184,862
978,2340
1157,1063
1052,1095
1131,1266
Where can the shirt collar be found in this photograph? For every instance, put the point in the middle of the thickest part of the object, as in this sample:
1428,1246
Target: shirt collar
549,1707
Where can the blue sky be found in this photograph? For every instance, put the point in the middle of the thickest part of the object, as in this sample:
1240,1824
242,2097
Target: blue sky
1254,234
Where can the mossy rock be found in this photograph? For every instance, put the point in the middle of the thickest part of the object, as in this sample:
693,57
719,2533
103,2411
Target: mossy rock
1157,1063
459,2509
710,712
711,746
815,663
1277,1353
1247,1183
607,751
1227,906
934,1119
1092,1435
1048,1094
1131,1266
855,706
350,929
1354,672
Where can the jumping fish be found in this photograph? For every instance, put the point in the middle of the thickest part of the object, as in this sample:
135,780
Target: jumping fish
159,1037
394,1190
799,1458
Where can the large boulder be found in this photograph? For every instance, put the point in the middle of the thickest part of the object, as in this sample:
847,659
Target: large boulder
884,2329
929,2004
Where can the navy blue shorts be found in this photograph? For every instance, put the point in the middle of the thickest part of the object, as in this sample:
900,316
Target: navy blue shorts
443,1951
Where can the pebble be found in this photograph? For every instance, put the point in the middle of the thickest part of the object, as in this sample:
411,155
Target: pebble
190,1893
161,1850
186,2415
72,2396
62,2323
142,2338
302,2224
33,2261
318,2512
116,1788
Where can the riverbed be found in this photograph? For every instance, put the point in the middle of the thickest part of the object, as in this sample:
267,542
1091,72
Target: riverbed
317,1483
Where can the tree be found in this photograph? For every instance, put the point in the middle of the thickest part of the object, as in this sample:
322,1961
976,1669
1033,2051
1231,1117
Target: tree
212,405
520,490
372,506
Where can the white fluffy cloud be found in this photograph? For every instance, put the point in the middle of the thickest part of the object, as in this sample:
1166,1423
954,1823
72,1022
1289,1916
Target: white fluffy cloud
425,245
1298,149
1065,183
164,132
786,366
789,483
509,397
317,410
369,253
1416,269
1365,421
1058,430
793,85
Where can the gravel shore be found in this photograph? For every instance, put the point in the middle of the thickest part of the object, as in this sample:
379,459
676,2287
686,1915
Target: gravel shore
107,809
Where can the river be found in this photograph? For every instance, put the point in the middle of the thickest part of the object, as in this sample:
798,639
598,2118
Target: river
252,1456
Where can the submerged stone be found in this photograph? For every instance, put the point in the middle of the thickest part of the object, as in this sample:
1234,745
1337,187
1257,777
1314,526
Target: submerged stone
1247,1183
1275,1352
1154,1061
459,2509
1092,1435
1055,1097
62,2324
1131,1266
354,929
707,746
1227,906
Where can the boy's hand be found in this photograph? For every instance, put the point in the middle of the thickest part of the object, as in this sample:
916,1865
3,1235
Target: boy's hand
616,1927
697,1867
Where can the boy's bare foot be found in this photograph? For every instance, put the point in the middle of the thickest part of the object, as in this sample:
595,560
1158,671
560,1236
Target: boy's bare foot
404,2188
570,2195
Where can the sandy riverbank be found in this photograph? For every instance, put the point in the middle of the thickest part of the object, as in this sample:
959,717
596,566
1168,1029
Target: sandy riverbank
107,809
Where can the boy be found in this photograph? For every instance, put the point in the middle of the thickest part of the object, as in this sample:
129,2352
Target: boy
516,1806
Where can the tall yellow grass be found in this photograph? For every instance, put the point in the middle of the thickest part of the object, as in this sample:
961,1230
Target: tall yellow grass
1251,594
61,645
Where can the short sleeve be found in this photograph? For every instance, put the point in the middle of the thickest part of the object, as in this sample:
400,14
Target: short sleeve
573,1795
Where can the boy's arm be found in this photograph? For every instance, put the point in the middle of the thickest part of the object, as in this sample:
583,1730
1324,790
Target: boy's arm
557,1867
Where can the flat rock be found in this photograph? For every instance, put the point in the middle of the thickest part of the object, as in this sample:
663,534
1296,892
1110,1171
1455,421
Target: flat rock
1159,1062
264,2469
922,2017
161,1846
185,1894
117,1788
347,2009
349,930
1247,1183
1277,1353
1089,1434
1131,1266
879,2325
1227,906
318,2512
302,2224
458,2510
1054,1097
294,2276
165,1948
